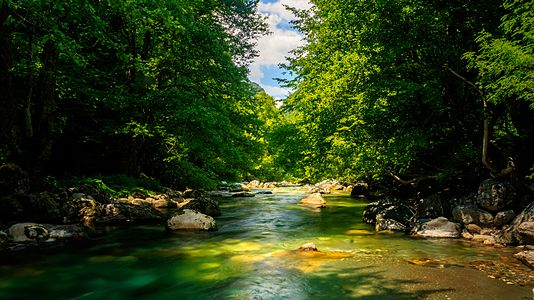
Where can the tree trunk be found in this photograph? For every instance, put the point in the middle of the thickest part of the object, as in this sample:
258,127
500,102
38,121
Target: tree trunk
44,118
8,111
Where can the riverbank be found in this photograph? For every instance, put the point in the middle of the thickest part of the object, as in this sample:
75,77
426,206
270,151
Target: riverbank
252,255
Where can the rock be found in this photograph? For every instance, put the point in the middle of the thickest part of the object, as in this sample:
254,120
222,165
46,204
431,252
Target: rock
204,205
504,217
66,232
430,207
473,228
494,196
525,231
24,232
263,192
314,200
467,235
242,194
92,192
486,239
527,257
83,209
28,232
220,194
326,187
308,247
360,190
232,187
191,220
439,228
117,213
518,232
164,203
13,180
466,214
388,224
389,209
189,193
4,239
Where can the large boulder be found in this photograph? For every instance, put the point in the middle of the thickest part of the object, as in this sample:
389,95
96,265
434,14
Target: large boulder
466,214
28,232
438,228
25,232
204,205
314,200
494,196
188,219
521,230
13,180
118,213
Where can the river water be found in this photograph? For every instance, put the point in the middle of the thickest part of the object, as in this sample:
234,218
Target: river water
252,256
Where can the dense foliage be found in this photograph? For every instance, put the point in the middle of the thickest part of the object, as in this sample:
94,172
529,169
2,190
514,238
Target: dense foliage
404,89
134,87
383,89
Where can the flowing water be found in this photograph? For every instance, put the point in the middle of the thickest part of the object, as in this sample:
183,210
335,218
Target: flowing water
253,256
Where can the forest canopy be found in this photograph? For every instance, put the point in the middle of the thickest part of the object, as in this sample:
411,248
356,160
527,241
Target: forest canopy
384,89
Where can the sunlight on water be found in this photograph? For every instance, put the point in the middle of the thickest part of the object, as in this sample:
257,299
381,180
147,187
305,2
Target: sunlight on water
253,256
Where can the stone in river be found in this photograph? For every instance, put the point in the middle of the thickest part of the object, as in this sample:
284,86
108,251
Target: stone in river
314,200
191,220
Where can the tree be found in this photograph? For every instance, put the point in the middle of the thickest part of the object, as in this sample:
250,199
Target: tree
137,87
372,97
505,66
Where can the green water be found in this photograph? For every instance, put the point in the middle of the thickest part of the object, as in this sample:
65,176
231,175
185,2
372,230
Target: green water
251,257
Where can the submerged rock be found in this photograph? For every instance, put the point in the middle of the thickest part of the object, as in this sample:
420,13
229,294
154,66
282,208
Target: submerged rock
314,200
438,228
188,219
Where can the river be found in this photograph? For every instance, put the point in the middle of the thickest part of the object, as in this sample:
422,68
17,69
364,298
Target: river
252,256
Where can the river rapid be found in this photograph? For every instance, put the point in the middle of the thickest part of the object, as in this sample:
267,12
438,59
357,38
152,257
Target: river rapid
252,256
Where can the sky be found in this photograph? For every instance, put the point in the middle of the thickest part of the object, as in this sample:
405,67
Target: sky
274,48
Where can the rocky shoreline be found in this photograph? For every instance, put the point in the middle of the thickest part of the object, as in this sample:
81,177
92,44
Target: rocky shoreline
491,216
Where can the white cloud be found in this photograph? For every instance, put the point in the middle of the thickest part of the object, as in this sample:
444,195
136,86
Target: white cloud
274,48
